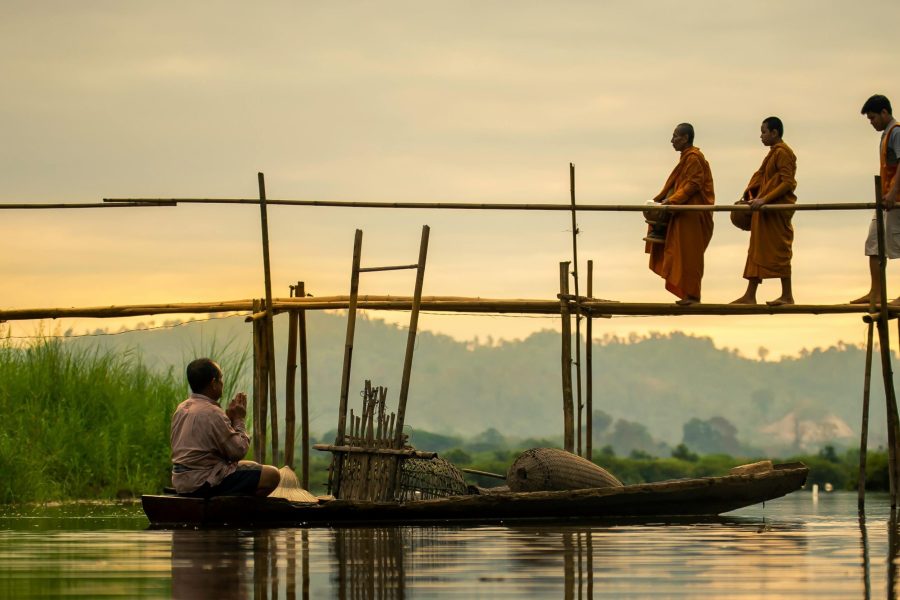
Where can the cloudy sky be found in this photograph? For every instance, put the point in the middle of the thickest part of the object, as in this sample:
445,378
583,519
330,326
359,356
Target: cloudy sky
427,101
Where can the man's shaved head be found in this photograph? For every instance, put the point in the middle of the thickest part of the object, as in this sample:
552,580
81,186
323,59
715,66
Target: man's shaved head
686,129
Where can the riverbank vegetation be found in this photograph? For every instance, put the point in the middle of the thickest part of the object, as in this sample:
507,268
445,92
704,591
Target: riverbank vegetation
82,422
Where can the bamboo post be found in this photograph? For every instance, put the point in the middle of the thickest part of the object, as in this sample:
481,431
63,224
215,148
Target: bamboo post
864,428
335,479
262,382
270,330
579,404
304,388
884,343
411,337
566,356
290,379
348,342
589,371
259,418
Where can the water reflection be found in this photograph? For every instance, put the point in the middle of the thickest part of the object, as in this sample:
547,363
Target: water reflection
864,545
370,563
209,565
892,555
734,556
795,549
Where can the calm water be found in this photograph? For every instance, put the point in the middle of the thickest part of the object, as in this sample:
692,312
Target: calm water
794,547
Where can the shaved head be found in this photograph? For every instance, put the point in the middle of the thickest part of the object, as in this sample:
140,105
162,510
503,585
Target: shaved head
686,129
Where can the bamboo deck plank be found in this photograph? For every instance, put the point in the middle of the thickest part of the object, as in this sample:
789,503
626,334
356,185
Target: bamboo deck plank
597,308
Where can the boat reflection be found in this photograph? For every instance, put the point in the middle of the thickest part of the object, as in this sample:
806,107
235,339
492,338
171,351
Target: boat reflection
210,564
391,562
795,549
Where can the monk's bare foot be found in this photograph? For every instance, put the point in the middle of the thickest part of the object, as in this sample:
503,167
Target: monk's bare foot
744,300
780,301
861,300
687,301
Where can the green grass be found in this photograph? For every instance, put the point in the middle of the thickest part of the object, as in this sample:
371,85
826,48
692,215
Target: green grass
82,423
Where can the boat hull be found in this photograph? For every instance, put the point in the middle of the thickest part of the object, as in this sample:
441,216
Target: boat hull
706,496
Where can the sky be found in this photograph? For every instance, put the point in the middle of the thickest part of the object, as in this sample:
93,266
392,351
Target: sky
437,101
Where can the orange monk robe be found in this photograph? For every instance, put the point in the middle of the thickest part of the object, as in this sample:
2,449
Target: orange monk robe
771,233
680,260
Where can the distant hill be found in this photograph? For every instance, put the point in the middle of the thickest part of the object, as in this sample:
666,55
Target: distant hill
661,381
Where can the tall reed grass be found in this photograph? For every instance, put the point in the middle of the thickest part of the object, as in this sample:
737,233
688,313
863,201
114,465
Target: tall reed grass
81,423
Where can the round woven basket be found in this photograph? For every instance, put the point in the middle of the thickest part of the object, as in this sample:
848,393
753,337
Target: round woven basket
552,469
741,218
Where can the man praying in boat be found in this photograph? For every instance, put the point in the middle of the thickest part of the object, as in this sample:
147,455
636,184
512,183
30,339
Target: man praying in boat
771,232
208,443
678,257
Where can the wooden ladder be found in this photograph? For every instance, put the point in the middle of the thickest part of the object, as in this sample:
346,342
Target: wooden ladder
339,456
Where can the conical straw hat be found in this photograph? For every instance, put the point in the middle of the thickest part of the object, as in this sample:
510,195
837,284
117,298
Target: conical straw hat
289,488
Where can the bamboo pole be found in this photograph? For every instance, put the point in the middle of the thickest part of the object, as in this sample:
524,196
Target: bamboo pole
595,207
411,337
566,360
290,378
261,345
370,450
304,388
52,205
578,402
864,428
394,268
269,325
335,479
258,451
450,304
884,343
589,370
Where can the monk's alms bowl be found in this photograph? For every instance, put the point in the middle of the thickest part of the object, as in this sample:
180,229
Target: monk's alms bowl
655,215
741,218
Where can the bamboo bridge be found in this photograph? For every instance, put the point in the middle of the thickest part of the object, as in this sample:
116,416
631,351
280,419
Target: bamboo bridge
261,312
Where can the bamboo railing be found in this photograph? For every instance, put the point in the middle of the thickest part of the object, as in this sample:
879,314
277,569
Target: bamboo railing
494,205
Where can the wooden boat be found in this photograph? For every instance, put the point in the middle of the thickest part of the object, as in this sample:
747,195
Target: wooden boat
705,496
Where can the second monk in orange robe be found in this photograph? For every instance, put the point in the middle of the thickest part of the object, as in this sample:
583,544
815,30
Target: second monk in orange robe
680,259
771,232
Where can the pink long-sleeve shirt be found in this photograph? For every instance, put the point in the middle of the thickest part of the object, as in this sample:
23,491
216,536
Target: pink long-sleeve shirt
206,444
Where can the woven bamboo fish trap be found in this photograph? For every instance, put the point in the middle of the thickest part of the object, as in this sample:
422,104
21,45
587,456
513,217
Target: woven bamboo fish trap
552,469
421,479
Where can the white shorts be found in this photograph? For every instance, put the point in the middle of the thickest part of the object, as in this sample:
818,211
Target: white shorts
891,235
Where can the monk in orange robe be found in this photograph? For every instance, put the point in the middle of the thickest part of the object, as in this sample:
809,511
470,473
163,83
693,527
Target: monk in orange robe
771,232
680,259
